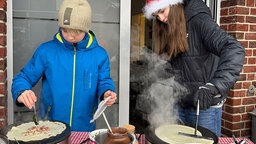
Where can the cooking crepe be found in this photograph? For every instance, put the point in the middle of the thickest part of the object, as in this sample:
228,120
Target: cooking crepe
18,132
169,134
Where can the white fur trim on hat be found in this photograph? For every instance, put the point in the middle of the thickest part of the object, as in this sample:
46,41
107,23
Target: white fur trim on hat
155,5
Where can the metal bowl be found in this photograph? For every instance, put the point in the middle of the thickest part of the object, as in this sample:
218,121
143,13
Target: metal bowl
99,136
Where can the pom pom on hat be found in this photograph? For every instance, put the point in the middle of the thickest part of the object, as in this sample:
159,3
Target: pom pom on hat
75,14
155,5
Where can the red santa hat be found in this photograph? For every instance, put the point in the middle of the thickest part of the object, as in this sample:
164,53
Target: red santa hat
155,5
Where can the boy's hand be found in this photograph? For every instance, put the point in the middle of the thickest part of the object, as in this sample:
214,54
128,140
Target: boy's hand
112,99
28,98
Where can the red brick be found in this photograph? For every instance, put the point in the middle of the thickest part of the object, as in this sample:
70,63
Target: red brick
251,19
250,77
247,124
224,12
2,40
249,69
244,43
249,108
226,132
2,28
3,76
253,11
242,77
246,85
245,61
250,3
248,52
3,89
245,133
251,60
3,101
248,101
252,44
239,10
252,28
2,112
232,19
246,117
2,15
239,93
3,64
229,3
238,27
235,126
237,35
231,117
237,85
234,102
232,110
3,4
250,36
254,52
3,52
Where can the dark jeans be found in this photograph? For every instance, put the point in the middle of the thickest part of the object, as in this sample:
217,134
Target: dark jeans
210,118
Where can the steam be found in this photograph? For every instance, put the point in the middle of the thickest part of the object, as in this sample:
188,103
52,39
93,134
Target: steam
161,90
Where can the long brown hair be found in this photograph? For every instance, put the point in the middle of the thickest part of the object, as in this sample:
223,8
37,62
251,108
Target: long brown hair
171,39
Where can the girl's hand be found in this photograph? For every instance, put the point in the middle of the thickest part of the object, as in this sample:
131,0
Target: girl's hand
28,98
112,99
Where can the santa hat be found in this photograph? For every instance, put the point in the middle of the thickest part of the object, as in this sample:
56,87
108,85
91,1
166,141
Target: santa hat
75,14
155,5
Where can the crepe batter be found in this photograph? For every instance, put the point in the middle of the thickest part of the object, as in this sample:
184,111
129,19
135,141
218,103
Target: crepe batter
169,134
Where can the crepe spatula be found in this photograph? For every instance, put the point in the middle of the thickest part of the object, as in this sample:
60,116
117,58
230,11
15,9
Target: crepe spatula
35,116
195,133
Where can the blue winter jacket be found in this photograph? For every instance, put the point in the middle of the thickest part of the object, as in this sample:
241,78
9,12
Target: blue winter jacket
73,79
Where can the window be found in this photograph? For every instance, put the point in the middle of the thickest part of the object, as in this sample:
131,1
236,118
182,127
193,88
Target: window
214,5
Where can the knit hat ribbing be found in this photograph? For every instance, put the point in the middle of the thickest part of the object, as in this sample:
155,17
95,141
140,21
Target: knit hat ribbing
75,14
155,5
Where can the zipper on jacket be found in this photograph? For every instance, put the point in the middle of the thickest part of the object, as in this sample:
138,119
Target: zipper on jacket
90,82
73,87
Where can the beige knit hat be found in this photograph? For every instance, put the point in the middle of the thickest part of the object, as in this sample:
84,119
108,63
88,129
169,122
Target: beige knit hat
75,14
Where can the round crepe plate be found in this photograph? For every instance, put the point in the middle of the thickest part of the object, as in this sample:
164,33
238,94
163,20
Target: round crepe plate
169,134
151,136
51,140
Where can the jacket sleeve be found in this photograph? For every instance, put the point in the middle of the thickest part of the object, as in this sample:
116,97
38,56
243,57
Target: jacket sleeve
230,52
105,81
28,76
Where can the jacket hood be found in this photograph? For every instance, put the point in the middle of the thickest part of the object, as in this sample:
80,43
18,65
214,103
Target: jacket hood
194,7
89,41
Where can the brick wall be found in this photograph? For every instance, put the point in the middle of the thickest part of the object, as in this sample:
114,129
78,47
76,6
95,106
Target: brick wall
3,72
238,17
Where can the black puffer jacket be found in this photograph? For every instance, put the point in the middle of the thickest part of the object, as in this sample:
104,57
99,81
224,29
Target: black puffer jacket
213,57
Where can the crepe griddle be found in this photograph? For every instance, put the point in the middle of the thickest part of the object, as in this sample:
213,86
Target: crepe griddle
51,140
152,138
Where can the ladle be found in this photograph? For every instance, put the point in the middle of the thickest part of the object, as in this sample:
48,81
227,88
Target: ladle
107,122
